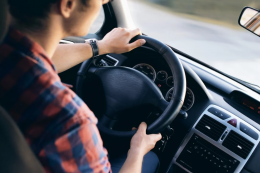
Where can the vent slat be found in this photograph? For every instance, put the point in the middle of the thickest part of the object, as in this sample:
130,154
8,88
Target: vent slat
214,125
242,151
213,130
110,61
238,138
238,144
211,127
244,143
208,119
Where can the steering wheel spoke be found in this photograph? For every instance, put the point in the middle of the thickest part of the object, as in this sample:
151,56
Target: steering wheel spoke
107,122
93,69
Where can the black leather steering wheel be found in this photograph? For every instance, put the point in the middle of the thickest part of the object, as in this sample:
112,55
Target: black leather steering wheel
127,88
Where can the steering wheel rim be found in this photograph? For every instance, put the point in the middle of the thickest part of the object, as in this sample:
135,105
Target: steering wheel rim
171,109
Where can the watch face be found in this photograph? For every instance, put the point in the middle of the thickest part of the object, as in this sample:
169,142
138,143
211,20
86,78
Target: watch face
91,39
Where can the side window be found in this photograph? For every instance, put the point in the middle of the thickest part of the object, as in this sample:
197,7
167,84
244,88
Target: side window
98,22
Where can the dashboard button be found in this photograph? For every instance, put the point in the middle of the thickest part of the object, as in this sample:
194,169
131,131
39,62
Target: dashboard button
219,113
248,131
253,134
244,128
233,122
223,115
214,111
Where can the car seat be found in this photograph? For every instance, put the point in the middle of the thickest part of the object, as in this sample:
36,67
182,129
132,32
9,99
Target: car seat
15,154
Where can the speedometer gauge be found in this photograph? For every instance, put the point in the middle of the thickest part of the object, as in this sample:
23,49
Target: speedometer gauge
162,75
189,99
146,69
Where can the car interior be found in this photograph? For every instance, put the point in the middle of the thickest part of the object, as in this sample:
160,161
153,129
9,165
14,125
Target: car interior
209,121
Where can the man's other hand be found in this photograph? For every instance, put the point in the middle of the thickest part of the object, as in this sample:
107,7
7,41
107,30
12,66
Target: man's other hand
142,143
117,41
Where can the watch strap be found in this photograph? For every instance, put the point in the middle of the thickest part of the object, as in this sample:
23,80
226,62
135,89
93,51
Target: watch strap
94,46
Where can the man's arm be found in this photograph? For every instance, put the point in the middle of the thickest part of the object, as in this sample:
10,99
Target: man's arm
141,144
133,163
69,55
116,41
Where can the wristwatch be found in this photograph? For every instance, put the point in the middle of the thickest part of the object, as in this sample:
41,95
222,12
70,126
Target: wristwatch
93,44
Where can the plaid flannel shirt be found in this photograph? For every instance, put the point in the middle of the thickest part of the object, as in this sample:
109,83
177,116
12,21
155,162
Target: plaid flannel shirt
57,124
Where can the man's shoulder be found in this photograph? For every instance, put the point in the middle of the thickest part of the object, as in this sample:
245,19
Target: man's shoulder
33,94
30,86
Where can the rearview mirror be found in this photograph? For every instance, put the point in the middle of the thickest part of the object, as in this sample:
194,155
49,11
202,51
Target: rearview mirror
250,20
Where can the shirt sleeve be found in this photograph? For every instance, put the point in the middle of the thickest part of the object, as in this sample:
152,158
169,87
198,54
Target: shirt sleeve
78,151
72,142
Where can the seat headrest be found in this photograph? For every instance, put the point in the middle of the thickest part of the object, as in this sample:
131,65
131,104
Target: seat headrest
16,155
4,18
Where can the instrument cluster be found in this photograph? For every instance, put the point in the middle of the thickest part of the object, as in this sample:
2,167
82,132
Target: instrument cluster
165,83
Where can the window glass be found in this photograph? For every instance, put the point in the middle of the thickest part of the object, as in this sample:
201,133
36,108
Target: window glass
205,29
98,22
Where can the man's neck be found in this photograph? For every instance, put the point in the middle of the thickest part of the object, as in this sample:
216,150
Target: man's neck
48,38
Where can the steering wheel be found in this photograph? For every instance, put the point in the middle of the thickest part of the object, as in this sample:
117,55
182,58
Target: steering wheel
126,88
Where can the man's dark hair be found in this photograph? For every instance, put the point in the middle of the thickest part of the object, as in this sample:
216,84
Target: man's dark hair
31,13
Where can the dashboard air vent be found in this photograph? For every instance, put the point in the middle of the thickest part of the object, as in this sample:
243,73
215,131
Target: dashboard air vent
110,61
238,144
211,127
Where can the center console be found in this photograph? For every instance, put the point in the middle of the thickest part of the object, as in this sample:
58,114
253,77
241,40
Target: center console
219,142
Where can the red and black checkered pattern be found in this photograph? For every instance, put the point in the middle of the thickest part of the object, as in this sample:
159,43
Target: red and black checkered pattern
57,124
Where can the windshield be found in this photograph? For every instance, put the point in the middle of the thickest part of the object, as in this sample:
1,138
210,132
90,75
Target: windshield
205,29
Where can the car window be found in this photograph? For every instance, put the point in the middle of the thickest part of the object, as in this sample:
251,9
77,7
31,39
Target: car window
205,29
98,22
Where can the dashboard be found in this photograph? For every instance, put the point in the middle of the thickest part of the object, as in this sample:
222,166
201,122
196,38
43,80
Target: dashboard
165,83
218,142
221,144
205,90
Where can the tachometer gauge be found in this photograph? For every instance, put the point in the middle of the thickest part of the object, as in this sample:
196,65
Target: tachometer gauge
189,98
170,81
146,69
162,75
168,95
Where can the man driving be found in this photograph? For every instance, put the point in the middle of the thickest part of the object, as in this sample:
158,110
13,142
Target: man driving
57,124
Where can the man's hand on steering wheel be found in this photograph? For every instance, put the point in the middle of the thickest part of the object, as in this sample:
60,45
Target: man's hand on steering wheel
117,41
142,143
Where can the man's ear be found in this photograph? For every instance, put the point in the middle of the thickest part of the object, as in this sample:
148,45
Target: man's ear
67,7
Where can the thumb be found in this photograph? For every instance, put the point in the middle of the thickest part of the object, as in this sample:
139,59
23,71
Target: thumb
142,128
156,137
136,44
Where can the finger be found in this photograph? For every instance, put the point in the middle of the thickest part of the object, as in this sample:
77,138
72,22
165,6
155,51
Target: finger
142,128
156,137
136,44
134,128
135,32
